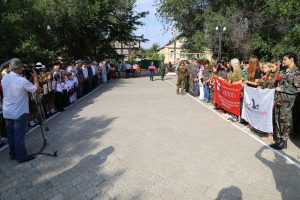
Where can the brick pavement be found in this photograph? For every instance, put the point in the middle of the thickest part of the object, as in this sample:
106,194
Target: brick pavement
136,139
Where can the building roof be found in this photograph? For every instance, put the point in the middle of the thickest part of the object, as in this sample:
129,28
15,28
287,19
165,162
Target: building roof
170,42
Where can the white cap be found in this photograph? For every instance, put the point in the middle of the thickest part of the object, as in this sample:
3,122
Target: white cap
39,66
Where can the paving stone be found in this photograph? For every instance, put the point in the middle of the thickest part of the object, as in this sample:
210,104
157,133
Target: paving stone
80,196
102,196
84,186
136,139
70,193
77,181
49,193
92,192
58,196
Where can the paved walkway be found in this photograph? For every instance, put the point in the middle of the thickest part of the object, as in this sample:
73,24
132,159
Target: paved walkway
136,139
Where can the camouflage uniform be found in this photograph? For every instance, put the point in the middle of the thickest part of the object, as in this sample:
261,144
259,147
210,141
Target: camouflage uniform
268,82
296,117
162,70
284,101
181,81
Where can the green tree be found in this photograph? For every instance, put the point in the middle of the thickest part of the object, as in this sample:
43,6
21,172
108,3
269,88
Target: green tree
251,25
45,29
152,52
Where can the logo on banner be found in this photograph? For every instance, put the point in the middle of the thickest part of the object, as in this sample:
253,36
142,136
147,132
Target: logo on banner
229,94
258,107
218,86
254,105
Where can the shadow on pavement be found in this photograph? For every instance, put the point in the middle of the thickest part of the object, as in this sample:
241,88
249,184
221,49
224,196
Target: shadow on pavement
230,193
80,158
286,176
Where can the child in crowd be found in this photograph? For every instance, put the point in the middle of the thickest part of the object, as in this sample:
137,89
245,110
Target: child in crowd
269,77
76,83
58,93
45,93
70,88
64,84
51,98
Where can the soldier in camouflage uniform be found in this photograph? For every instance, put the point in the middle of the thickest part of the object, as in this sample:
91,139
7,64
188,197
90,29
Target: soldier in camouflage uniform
296,117
162,70
286,92
182,74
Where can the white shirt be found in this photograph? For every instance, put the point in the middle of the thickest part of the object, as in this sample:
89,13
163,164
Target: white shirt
128,66
15,92
59,87
69,84
94,70
69,69
75,69
75,80
85,72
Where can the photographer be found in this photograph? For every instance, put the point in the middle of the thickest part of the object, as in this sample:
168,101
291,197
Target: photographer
16,109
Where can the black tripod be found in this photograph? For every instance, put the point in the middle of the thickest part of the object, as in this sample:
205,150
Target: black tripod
43,125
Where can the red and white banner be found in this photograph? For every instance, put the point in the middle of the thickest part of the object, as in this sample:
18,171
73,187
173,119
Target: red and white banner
227,95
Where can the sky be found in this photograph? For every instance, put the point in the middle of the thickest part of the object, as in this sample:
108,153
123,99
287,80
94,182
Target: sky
153,28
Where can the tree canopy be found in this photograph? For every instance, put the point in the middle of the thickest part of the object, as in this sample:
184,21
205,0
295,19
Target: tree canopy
152,52
266,28
42,30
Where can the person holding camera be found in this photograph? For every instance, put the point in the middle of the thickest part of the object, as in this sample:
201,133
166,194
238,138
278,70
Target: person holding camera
16,109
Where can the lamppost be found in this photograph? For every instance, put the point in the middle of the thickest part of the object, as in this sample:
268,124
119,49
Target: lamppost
174,40
220,40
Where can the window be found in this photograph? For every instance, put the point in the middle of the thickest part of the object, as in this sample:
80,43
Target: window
172,55
182,54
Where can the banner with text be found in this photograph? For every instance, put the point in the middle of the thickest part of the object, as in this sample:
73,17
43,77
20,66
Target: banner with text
227,95
258,108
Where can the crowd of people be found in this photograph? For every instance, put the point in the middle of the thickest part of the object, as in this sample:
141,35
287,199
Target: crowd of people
197,78
56,87
60,85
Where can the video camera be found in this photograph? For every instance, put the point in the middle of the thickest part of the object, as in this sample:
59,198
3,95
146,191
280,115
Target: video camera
28,70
